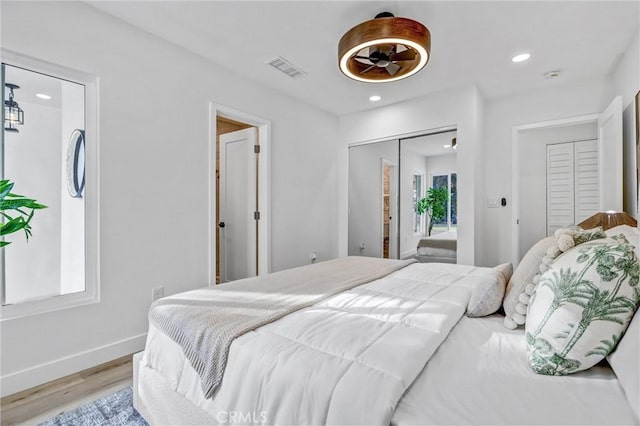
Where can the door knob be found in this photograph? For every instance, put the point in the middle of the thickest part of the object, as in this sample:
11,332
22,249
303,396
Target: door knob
221,224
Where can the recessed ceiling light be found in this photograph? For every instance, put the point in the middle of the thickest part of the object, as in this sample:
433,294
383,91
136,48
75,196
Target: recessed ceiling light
43,96
446,146
521,57
375,98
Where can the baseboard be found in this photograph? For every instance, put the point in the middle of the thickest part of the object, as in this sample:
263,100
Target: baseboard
43,373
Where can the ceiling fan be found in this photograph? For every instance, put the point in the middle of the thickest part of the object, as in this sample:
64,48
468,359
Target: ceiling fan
385,48
389,57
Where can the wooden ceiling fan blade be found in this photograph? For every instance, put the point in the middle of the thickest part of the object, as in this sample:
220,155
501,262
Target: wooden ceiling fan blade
405,55
368,69
387,49
392,68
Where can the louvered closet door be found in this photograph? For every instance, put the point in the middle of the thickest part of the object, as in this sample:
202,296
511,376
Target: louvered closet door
586,170
560,186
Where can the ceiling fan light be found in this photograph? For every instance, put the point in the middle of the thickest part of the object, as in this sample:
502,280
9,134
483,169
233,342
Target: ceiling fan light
384,31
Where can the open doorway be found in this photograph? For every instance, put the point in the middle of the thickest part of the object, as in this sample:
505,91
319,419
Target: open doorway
236,200
239,237
564,171
389,207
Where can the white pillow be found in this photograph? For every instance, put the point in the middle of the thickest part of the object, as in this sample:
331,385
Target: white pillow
487,296
519,284
625,361
582,306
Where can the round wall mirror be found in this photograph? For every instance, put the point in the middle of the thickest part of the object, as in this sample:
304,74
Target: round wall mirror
75,164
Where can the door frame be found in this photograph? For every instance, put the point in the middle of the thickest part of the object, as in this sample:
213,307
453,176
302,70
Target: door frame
394,232
515,166
264,186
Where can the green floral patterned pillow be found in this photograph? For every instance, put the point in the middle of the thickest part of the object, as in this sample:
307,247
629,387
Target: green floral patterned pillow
582,305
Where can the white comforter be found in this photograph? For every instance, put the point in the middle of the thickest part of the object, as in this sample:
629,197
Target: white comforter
346,360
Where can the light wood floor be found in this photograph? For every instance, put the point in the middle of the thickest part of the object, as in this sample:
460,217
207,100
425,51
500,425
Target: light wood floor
43,402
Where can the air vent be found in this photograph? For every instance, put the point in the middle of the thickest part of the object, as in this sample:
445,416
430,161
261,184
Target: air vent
286,67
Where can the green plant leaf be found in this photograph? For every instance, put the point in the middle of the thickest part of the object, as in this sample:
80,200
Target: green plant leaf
5,188
22,208
18,203
14,225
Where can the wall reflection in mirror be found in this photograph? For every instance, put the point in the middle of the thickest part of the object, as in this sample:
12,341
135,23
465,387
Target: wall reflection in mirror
44,156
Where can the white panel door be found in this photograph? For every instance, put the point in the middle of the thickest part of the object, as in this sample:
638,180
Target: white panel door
587,187
610,149
560,186
238,189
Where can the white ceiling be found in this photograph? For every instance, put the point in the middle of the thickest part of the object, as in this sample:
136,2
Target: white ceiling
32,83
430,145
472,42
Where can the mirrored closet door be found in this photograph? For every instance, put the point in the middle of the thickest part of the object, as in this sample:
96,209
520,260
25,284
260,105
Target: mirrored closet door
388,182
373,199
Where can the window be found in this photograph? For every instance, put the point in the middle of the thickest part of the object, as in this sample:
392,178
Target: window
449,181
50,157
418,193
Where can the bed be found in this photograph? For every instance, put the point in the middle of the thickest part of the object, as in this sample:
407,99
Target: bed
441,248
405,346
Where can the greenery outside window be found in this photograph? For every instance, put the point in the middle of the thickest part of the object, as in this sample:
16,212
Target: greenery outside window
448,181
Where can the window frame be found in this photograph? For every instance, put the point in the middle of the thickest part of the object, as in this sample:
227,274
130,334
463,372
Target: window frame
448,174
91,294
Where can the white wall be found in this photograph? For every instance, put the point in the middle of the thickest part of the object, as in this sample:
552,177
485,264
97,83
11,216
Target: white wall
626,82
532,153
151,154
626,73
500,117
503,114
441,164
461,108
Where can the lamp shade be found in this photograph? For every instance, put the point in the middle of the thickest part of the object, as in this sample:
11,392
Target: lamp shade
608,220
13,114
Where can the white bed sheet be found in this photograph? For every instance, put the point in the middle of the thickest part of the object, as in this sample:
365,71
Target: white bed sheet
356,352
480,375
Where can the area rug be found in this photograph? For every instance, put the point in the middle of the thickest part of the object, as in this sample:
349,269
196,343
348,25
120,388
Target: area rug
115,409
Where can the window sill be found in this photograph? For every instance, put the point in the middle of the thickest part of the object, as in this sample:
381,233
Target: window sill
50,304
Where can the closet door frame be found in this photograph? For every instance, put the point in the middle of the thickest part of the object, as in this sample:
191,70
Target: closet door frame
515,166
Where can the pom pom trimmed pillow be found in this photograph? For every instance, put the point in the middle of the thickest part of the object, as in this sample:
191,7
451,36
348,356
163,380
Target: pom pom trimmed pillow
582,306
534,264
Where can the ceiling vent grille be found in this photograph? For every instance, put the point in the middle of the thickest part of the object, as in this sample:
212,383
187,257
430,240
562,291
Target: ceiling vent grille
286,67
